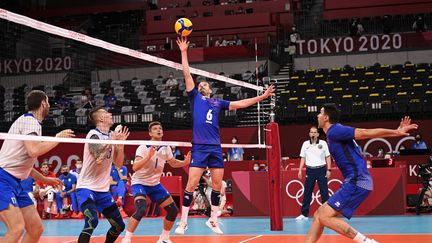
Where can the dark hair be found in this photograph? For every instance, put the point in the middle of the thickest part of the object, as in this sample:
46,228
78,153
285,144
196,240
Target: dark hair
332,111
93,112
34,99
153,124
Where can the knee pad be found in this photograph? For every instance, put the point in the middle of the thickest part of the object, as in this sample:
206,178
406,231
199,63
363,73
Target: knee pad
187,198
140,209
172,212
90,217
215,198
112,213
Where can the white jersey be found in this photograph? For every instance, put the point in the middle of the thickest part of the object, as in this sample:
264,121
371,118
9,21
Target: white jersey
14,157
151,172
314,154
93,176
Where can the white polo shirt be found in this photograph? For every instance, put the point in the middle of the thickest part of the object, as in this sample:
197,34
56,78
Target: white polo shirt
314,154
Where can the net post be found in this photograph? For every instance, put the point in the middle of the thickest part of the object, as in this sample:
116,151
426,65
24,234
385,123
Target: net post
274,176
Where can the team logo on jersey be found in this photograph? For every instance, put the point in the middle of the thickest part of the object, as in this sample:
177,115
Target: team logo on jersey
192,161
337,204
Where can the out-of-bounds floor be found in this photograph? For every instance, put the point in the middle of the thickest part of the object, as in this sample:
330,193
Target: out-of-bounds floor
406,229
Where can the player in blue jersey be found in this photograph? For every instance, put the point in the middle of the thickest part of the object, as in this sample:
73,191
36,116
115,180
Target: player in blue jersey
69,181
206,148
357,181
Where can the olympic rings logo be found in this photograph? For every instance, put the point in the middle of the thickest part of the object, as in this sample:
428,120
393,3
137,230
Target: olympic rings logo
301,189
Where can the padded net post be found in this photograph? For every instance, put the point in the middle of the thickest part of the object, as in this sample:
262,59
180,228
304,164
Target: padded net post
274,175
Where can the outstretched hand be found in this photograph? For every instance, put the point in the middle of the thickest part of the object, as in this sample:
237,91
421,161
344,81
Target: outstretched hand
182,43
269,91
405,126
123,134
187,158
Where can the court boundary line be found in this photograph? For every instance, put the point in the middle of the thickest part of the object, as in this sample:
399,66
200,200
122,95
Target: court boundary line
253,238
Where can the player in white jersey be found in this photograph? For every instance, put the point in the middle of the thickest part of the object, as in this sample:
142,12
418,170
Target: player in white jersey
93,182
148,166
16,163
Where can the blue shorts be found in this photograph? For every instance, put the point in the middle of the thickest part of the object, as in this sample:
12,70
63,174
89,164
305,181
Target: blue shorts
102,200
204,156
347,199
155,193
11,192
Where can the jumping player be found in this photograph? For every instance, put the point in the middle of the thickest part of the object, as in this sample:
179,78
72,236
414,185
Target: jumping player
357,181
206,148
94,180
148,166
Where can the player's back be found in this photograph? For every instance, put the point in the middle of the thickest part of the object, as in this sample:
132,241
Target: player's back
347,156
151,172
94,176
14,157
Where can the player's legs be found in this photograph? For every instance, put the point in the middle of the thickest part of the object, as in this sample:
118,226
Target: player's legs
32,221
121,191
109,209
139,194
14,221
345,201
59,202
309,187
90,220
171,214
217,176
322,184
33,224
193,180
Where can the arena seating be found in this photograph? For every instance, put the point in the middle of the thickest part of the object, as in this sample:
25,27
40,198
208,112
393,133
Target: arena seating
381,90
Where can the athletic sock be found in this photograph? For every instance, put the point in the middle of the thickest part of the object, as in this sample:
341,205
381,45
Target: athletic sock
359,238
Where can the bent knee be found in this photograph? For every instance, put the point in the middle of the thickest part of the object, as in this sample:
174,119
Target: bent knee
35,230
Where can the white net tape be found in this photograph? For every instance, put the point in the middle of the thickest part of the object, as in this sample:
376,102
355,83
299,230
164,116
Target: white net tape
35,24
7,136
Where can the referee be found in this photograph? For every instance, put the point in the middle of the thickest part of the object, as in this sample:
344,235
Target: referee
315,154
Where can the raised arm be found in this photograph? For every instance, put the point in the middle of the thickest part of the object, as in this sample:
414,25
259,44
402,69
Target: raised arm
183,44
404,127
123,134
175,163
139,161
251,101
37,148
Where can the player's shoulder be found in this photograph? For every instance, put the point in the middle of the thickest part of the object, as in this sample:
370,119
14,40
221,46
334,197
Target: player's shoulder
93,133
320,141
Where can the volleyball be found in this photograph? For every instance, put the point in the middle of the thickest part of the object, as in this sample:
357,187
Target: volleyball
183,27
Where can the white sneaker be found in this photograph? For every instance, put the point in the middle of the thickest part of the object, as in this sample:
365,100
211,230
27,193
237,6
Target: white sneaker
214,225
181,228
126,240
163,241
371,241
301,217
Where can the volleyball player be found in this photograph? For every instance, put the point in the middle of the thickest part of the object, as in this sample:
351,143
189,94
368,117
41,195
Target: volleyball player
17,158
357,181
94,180
148,166
206,148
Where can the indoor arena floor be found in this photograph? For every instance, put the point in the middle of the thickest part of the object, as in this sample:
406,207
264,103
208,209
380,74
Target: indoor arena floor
252,229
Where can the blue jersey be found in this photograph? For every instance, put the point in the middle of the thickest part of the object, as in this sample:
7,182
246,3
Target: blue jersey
205,114
115,175
346,153
27,184
68,181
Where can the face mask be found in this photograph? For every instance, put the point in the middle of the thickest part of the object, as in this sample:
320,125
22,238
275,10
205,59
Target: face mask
79,166
417,138
255,168
65,173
